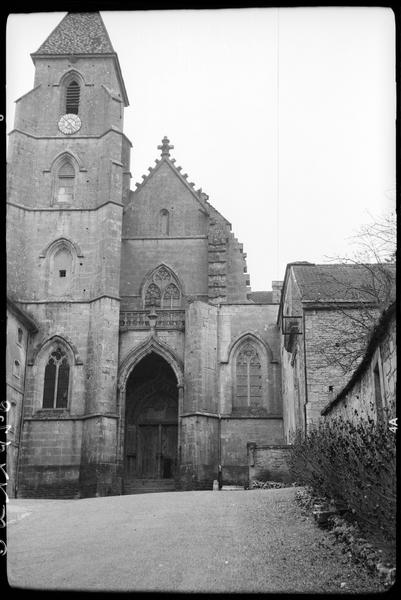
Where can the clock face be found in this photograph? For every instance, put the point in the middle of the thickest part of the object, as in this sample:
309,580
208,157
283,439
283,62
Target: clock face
69,123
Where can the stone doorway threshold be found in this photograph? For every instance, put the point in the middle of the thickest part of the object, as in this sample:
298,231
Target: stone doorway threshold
145,486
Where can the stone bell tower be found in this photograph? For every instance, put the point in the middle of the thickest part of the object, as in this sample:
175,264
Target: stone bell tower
68,180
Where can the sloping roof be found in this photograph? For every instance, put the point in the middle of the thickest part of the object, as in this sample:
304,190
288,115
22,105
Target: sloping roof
78,33
81,33
343,282
261,297
23,316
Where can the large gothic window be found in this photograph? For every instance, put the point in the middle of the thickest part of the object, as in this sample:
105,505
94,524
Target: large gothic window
56,380
248,392
162,289
72,95
65,182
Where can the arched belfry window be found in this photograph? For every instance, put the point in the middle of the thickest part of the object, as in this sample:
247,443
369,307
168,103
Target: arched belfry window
72,94
65,182
162,289
164,222
248,388
56,380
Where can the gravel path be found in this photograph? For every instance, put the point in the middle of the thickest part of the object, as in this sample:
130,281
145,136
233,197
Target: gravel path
227,541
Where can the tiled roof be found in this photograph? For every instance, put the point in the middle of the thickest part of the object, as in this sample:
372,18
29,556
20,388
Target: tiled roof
78,33
23,316
342,282
261,297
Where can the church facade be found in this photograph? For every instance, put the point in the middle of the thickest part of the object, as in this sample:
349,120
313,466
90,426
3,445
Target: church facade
149,362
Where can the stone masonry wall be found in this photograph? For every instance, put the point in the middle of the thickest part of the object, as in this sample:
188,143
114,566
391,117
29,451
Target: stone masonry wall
269,463
292,359
50,458
183,247
186,257
324,380
236,320
293,388
228,280
361,399
79,443
40,109
235,435
15,381
200,358
198,452
199,435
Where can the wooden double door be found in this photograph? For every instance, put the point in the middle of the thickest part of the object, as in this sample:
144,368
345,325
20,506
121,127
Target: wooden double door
151,450
156,451
151,432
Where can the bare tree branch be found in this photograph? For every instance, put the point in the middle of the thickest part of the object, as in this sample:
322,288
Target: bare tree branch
369,286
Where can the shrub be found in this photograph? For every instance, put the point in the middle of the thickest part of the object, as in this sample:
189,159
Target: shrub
354,463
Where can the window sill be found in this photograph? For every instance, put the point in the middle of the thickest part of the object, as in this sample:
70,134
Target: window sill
52,412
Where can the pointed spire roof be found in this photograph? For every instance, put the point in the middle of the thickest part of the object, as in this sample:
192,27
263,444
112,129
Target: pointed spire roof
78,33
81,34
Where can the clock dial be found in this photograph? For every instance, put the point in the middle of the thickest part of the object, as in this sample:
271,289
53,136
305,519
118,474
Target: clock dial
69,123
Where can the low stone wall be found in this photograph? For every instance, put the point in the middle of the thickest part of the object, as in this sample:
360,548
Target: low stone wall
268,463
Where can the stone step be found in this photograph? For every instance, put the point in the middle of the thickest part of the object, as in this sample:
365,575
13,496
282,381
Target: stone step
135,492
146,486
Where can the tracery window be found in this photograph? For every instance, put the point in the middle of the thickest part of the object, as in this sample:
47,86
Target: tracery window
153,296
162,289
72,95
171,296
56,380
248,377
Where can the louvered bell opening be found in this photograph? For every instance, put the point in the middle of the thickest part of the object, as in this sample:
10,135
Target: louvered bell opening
72,98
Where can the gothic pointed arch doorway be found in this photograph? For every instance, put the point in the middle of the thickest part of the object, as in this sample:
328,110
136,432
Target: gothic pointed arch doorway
151,425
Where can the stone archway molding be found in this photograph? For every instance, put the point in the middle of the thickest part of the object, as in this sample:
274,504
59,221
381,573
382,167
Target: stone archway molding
71,74
61,241
61,156
64,340
253,336
151,344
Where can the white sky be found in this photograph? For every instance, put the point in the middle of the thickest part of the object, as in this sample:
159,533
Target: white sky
285,117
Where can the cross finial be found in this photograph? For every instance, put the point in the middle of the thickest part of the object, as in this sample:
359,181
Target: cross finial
165,146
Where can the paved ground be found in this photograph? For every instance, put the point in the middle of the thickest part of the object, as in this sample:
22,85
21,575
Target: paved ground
227,541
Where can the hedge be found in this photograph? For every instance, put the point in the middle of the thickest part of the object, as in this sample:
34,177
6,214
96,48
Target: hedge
354,463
